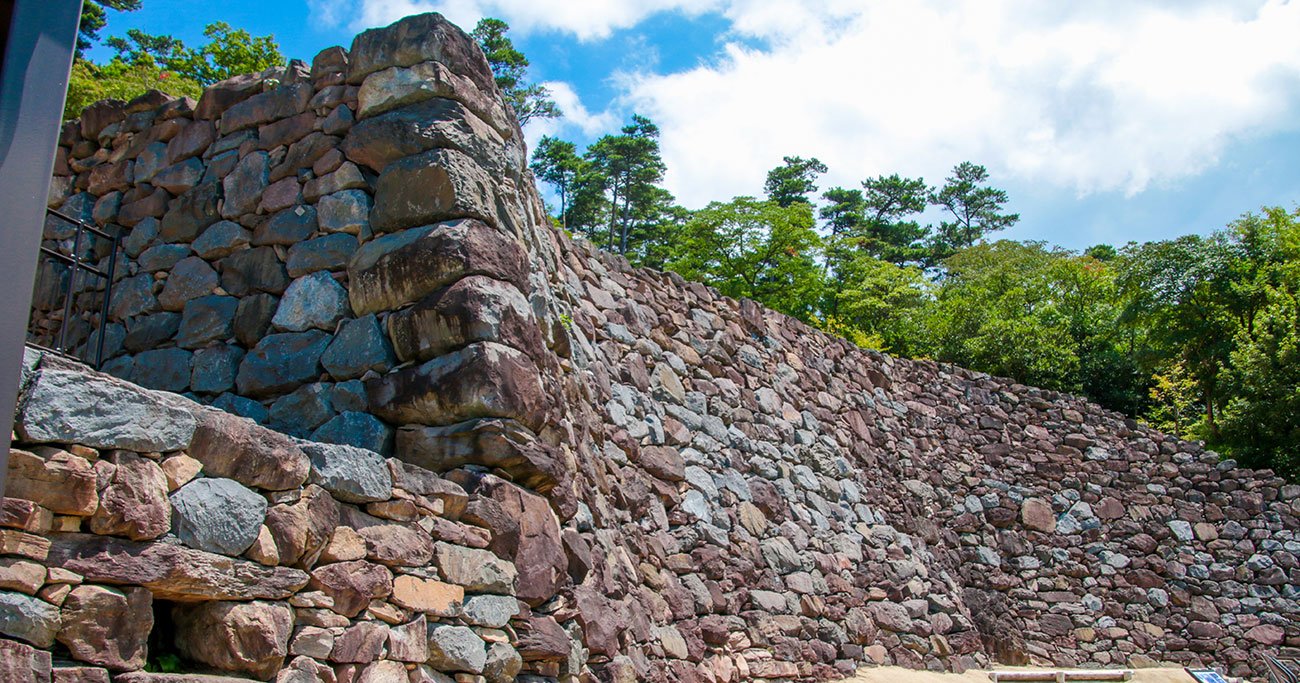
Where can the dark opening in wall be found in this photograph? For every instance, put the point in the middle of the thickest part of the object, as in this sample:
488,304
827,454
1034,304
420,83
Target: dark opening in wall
164,657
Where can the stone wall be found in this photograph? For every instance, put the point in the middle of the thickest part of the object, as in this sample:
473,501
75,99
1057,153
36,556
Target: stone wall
140,528
689,487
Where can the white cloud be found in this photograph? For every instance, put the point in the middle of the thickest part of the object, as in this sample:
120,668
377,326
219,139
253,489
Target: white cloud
577,121
1108,95
1089,96
585,19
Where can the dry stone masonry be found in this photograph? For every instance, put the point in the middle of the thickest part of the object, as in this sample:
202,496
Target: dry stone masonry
398,428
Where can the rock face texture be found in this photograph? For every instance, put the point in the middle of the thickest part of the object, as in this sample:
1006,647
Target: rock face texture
529,461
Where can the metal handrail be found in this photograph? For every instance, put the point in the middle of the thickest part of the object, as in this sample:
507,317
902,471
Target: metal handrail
75,264
1278,671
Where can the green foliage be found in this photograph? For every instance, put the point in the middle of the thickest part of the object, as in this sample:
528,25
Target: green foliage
756,249
510,68
793,181
1260,423
976,210
94,18
557,162
90,83
146,61
878,304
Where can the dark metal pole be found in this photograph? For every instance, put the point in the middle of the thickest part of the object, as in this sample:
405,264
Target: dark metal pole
38,48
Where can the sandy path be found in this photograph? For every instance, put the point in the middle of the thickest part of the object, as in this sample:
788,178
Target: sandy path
889,674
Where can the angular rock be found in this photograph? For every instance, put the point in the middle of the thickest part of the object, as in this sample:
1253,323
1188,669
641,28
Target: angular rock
172,572
240,449
281,362
191,213
218,515
539,556
20,663
134,504
221,239
133,296
380,140
163,369
253,318
345,212
312,301
401,268
150,331
433,186
395,545
478,571
428,596
67,406
207,319
244,186
222,95
286,228
475,308
190,278
63,483
277,103
330,253
352,585
107,627
301,530
214,369
360,643
491,611
253,270
352,475
503,663
481,380
359,347
179,177
241,637
456,648
352,428
303,410
28,619
162,256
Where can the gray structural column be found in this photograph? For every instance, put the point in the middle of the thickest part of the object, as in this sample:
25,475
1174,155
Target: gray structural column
38,47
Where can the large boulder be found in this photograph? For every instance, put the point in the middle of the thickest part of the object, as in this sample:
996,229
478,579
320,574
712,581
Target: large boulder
281,362
478,571
301,529
475,308
391,271
456,648
352,475
238,448
481,380
29,619
62,483
107,626
71,406
240,637
380,140
171,572
539,556
134,504
438,185
218,515
414,39
312,301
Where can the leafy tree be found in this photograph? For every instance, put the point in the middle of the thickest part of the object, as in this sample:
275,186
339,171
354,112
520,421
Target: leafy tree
510,68
557,162
1261,421
632,167
757,249
228,52
890,232
794,180
877,304
976,209
94,18
145,61
845,211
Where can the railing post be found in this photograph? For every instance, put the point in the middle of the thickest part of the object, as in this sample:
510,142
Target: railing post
38,41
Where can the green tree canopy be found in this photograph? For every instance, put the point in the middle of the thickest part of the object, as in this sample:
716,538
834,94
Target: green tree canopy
794,180
975,208
756,249
527,100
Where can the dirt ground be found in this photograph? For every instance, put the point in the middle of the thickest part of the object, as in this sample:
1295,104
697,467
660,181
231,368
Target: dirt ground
889,674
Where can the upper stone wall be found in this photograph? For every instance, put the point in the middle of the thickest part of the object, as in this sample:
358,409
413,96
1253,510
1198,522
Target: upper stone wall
690,487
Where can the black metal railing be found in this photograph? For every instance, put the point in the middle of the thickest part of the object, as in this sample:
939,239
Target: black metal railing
77,263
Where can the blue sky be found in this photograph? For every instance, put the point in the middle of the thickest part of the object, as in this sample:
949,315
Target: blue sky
1106,121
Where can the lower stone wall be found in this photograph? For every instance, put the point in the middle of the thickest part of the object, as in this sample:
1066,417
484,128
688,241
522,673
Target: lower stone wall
759,500
143,533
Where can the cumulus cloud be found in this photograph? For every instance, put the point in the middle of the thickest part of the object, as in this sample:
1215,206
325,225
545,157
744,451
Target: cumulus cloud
577,121
1109,95
584,19
1089,96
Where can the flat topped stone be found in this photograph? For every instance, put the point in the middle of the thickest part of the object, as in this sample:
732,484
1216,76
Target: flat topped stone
71,406
438,185
480,380
171,572
391,271
419,38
